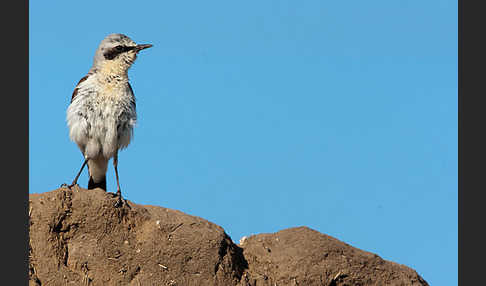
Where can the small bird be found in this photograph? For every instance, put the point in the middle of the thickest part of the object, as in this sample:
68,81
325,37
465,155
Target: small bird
102,113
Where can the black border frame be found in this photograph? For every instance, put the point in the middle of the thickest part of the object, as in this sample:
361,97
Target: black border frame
15,145
471,143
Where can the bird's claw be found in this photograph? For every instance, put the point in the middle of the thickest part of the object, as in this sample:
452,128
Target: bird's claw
64,185
120,201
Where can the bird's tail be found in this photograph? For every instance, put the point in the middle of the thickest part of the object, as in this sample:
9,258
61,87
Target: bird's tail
93,185
97,173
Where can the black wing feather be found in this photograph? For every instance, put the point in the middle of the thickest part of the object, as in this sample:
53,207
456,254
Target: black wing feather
75,92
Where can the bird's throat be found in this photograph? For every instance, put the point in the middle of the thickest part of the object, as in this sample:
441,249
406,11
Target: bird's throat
114,70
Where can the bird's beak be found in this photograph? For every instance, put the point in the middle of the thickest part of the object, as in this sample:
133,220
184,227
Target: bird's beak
138,48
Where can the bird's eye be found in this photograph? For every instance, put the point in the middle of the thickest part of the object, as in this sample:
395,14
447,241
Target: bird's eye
119,48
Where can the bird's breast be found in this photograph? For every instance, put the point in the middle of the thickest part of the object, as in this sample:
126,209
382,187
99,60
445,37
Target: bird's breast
102,116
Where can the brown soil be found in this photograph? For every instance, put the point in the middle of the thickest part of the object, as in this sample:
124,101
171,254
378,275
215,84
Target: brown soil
78,237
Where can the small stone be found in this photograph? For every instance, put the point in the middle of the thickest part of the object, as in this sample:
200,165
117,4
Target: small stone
242,240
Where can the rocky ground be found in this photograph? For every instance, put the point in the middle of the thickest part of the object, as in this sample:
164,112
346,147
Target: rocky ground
78,237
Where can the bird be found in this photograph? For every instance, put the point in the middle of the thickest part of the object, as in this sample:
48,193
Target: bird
102,113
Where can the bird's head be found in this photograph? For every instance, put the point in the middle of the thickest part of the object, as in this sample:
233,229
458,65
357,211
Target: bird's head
116,53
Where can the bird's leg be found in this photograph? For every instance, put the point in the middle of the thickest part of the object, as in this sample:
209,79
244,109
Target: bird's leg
75,181
120,201
115,164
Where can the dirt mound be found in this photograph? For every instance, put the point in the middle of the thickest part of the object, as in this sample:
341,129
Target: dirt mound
78,237
302,256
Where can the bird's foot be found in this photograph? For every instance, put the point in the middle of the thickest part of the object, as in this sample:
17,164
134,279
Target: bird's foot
120,201
64,185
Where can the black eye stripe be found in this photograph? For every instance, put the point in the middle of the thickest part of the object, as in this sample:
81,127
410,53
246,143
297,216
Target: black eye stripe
115,51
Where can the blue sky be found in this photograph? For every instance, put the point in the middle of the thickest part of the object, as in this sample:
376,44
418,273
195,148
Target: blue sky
264,115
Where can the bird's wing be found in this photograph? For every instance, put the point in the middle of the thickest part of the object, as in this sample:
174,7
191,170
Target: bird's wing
75,92
132,97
